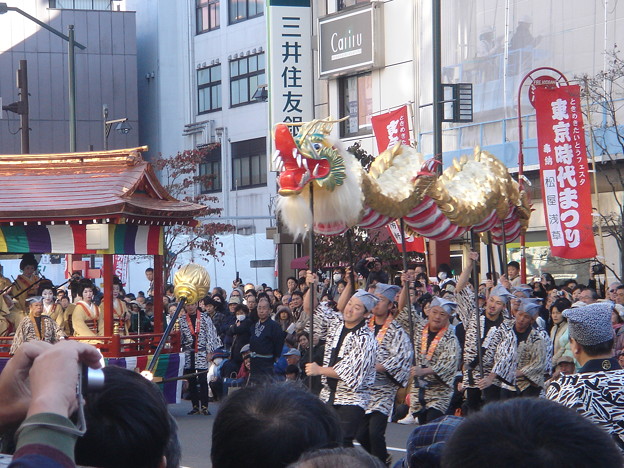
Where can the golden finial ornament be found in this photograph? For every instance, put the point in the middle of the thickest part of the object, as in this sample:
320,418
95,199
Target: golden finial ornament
191,282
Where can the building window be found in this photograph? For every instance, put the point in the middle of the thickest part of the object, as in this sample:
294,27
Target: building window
249,163
356,101
209,89
241,10
210,171
246,74
81,4
207,15
342,4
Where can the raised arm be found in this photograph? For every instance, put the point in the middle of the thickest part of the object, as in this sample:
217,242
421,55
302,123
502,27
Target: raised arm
347,292
462,282
404,295
311,281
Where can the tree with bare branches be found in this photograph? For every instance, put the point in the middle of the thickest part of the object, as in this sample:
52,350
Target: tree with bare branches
182,178
603,107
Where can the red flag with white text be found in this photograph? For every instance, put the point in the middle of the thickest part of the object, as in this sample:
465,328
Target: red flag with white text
390,128
566,191
120,267
412,243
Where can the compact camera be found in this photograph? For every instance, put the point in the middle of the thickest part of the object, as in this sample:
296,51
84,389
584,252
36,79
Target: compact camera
90,380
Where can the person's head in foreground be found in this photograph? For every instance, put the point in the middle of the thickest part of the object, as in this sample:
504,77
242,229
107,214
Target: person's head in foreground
341,457
591,331
531,432
128,425
426,443
271,426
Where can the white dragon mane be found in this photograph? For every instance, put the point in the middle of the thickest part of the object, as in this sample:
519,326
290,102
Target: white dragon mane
345,203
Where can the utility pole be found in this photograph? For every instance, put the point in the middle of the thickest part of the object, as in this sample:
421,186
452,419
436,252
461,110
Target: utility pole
4,8
22,85
438,97
71,62
439,250
21,107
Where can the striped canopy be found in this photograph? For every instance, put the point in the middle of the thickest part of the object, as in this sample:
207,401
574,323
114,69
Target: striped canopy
123,239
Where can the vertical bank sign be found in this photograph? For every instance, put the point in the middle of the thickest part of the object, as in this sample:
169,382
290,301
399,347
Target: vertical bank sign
290,62
566,191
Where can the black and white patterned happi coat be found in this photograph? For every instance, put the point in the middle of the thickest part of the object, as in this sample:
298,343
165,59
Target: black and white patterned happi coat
501,356
444,363
504,357
208,341
533,360
598,396
356,359
395,354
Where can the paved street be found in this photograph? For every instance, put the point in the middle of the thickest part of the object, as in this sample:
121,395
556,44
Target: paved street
196,433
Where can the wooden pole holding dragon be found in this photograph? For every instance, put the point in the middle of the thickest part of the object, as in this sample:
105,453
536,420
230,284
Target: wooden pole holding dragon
406,288
314,292
475,282
490,258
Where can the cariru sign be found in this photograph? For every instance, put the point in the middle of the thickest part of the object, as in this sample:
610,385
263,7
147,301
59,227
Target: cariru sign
351,41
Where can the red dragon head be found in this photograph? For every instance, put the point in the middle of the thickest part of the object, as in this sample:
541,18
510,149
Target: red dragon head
305,158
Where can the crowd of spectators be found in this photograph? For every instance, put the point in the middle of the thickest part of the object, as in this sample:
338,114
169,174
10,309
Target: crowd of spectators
265,348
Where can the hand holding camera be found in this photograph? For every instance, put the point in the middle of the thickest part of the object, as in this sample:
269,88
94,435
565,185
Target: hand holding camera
40,379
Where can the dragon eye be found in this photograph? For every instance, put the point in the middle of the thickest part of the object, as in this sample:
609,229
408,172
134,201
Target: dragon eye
317,146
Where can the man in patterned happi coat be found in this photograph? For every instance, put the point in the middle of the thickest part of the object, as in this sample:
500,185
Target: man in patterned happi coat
532,358
36,326
199,339
394,360
348,370
437,354
597,391
490,321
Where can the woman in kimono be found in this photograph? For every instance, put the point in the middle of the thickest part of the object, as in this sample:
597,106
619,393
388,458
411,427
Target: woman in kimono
23,288
51,308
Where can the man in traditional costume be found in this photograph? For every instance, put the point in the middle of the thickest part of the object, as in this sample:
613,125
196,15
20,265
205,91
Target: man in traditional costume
597,391
531,357
394,361
437,354
490,321
87,319
348,370
36,326
199,340
266,343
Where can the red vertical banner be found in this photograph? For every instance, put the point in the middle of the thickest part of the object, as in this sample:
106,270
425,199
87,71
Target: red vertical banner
120,267
390,128
412,243
566,191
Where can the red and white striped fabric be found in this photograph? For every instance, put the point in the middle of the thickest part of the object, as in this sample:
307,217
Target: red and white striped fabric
330,229
427,220
372,219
